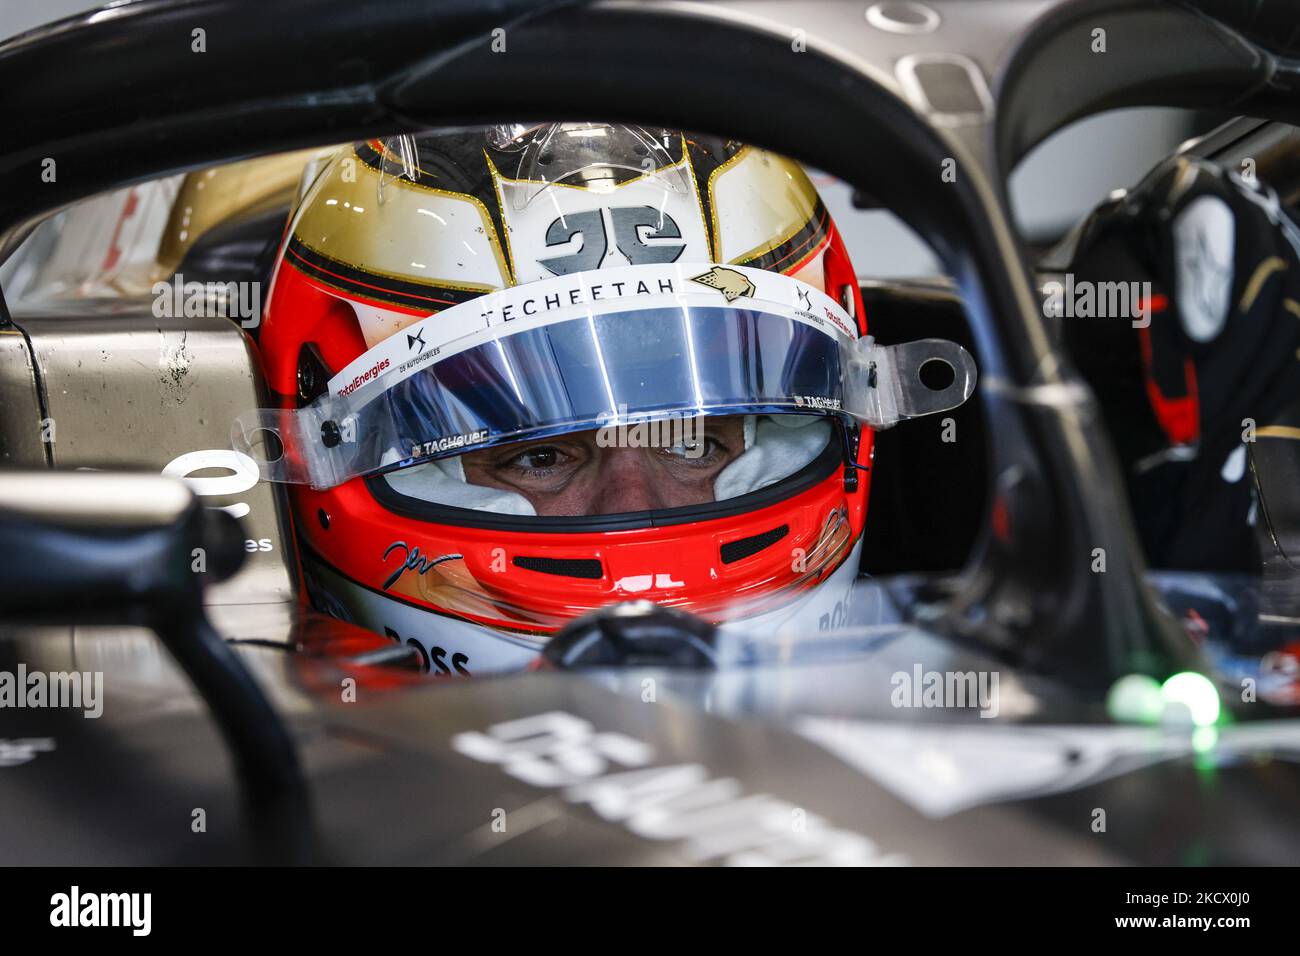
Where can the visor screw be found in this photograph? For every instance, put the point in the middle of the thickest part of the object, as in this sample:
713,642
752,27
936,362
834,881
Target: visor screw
306,381
323,517
330,434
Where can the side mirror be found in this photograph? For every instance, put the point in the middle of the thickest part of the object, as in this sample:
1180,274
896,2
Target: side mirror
127,549
108,548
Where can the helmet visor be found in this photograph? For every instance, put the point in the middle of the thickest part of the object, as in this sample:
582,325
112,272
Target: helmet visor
604,349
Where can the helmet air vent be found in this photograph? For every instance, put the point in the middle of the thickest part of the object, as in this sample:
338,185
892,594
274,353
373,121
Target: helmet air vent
564,567
742,548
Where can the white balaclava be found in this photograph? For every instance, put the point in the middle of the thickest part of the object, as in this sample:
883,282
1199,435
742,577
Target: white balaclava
776,446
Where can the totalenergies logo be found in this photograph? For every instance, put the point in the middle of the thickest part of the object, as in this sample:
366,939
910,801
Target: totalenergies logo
369,375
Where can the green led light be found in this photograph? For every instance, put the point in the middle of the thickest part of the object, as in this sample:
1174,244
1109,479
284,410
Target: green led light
1197,693
1204,739
1135,699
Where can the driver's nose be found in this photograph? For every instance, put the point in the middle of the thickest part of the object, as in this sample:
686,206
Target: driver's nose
627,483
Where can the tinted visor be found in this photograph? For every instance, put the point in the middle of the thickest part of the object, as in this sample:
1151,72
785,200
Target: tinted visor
584,373
593,350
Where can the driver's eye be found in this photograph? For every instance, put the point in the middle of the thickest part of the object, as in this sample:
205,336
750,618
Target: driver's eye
537,458
694,450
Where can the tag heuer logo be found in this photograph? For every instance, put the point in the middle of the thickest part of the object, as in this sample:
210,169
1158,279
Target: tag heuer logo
729,282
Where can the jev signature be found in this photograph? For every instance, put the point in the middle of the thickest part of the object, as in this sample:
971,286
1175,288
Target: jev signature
413,561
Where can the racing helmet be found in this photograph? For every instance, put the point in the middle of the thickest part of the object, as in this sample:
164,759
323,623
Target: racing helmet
461,322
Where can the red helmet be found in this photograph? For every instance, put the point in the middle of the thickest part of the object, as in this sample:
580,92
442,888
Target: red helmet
457,318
